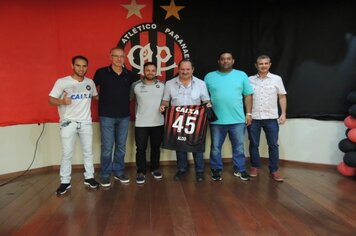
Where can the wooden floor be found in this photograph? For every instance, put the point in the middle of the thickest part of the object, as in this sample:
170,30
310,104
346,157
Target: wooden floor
311,201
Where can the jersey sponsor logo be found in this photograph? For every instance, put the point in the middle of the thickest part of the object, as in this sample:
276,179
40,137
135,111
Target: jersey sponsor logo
80,96
156,43
192,111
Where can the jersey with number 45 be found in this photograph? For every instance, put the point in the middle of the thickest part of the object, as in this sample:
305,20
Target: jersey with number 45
185,128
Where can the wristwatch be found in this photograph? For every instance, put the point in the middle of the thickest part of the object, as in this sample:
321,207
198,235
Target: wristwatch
248,114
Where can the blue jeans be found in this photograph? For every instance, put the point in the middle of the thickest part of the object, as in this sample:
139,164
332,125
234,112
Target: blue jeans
236,134
271,129
182,161
113,131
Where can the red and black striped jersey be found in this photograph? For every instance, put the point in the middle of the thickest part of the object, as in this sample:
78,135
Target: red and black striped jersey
185,128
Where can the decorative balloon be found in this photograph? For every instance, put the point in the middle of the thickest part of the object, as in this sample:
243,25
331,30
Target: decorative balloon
346,170
350,159
350,122
348,145
352,135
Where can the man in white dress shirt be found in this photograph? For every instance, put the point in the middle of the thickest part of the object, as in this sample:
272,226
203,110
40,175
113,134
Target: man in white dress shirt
268,92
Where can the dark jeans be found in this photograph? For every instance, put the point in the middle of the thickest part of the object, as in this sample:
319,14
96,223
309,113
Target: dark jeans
271,129
141,137
182,161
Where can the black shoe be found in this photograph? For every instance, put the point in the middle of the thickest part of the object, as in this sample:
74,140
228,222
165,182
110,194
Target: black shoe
63,189
243,175
123,178
179,175
105,183
91,183
200,176
140,178
156,174
215,175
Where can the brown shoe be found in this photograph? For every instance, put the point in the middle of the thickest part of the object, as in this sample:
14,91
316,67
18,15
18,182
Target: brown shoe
253,171
277,176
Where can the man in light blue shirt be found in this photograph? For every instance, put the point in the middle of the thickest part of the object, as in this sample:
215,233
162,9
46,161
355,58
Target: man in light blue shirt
228,88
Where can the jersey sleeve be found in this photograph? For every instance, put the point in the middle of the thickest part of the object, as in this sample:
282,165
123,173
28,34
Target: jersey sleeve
57,89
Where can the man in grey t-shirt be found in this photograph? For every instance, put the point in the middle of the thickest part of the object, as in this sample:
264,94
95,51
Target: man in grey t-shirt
149,120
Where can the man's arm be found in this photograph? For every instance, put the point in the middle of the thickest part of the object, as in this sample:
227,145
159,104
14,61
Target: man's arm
132,91
163,106
248,107
283,105
59,101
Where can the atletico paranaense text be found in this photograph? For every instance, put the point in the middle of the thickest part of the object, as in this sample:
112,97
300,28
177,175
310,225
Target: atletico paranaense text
152,26
146,48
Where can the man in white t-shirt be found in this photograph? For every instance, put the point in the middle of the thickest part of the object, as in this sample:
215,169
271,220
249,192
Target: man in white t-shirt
268,91
73,94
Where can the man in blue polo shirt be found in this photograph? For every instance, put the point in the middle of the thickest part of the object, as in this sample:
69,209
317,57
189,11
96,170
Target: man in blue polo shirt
227,87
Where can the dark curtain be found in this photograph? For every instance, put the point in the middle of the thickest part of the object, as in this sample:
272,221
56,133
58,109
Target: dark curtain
312,46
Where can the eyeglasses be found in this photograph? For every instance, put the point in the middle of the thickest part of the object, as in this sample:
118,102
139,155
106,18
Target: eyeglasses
118,56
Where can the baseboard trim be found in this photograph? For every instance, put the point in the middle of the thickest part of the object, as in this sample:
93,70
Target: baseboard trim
78,167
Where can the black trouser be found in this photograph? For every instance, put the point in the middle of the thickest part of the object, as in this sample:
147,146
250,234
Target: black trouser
141,137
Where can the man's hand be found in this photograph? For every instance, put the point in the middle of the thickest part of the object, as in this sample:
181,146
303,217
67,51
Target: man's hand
66,100
248,120
162,108
282,119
